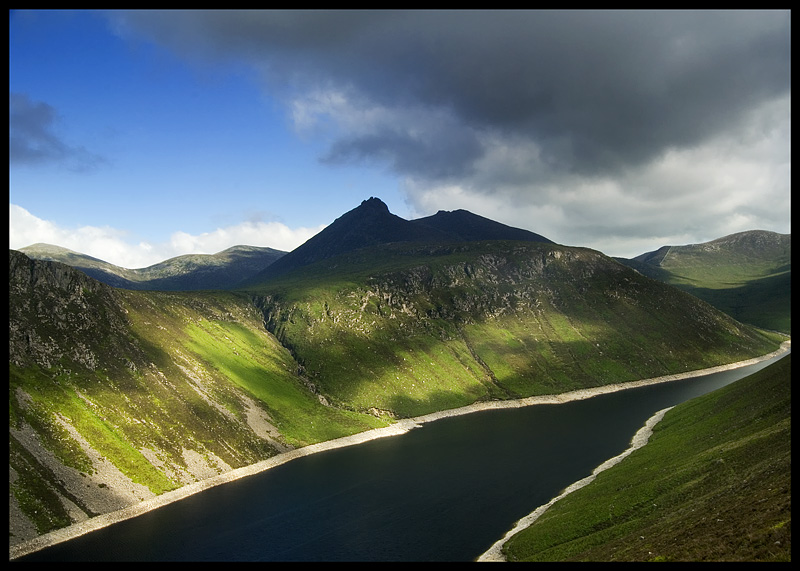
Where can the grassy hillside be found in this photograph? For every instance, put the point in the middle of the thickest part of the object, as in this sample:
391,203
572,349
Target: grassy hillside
409,329
115,395
747,275
712,484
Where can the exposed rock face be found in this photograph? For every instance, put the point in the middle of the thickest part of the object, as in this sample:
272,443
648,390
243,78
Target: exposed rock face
57,312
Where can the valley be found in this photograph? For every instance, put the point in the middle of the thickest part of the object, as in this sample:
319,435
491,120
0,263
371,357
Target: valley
118,396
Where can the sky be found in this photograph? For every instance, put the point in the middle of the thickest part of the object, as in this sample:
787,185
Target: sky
137,136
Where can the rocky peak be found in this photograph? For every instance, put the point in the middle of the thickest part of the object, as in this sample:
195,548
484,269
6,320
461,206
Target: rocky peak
374,204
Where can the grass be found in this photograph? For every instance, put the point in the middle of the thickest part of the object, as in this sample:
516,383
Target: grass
254,362
395,331
173,380
713,484
99,425
747,280
412,329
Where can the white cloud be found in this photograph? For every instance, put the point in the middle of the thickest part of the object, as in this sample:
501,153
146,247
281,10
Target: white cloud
111,245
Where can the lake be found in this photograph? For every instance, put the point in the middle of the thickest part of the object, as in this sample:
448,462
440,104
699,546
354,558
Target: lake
443,492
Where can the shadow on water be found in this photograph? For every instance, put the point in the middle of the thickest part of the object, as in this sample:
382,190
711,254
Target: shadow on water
444,492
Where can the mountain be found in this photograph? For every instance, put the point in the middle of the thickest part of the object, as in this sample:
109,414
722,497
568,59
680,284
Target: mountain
463,225
223,270
369,224
118,395
747,274
372,224
410,328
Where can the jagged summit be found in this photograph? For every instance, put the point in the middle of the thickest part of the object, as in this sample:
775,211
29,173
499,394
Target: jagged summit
371,223
375,203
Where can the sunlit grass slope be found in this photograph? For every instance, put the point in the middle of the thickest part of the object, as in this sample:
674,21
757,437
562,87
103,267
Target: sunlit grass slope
712,484
224,335
166,388
410,329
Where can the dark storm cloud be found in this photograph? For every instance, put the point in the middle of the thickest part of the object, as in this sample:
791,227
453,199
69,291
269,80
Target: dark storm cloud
32,138
431,153
595,91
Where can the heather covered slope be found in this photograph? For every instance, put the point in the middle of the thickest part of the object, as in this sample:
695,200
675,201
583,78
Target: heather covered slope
712,484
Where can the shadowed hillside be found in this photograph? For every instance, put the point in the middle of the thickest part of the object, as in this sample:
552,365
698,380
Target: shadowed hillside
190,272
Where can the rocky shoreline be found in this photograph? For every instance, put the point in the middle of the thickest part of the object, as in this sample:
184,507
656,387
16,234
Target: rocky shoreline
400,427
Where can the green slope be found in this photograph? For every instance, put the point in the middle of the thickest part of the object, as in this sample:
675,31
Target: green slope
410,329
747,275
170,387
712,484
167,388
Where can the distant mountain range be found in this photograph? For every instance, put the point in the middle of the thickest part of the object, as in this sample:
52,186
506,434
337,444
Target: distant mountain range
747,275
223,270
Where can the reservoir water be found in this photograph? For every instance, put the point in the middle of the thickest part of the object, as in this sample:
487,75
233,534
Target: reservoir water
443,492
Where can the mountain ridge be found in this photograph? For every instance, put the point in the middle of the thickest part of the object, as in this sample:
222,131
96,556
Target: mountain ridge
746,274
468,226
187,272
368,224
371,223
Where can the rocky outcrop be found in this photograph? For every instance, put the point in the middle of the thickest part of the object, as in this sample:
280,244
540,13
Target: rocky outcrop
56,314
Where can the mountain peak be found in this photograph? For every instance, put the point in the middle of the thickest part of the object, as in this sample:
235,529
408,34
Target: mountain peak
374,203
369,224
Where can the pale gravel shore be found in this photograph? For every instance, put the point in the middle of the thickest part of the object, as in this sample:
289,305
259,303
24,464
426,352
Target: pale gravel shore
400,427
642,436
495,554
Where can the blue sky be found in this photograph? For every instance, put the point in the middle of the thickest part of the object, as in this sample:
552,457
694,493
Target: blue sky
138,136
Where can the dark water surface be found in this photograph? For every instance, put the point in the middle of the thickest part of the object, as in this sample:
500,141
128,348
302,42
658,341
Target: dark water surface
443,492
